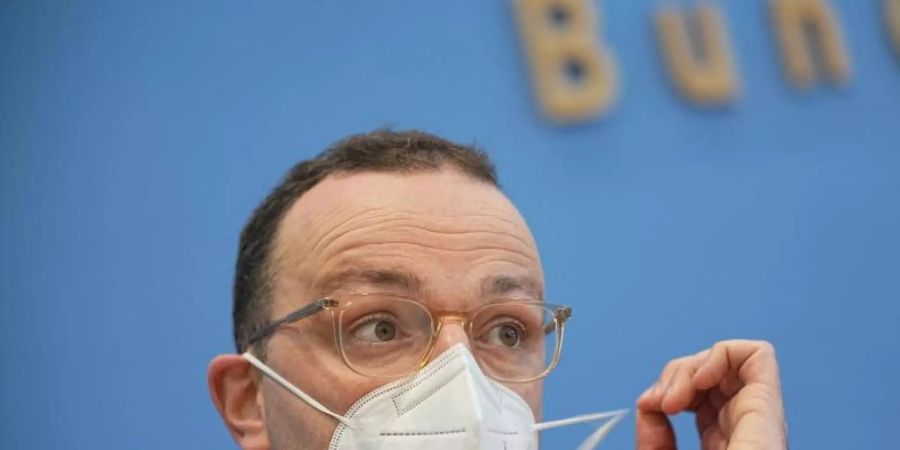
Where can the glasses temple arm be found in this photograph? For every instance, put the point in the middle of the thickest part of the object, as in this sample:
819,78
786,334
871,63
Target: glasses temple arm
301,313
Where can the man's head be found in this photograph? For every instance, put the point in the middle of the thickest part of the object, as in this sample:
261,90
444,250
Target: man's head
403,212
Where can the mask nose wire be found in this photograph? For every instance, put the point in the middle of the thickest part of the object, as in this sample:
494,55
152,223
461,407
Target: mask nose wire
294,389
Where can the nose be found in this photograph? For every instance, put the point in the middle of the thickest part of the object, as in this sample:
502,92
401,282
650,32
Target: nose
452,332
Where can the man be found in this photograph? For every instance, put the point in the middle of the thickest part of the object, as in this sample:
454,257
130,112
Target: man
374,261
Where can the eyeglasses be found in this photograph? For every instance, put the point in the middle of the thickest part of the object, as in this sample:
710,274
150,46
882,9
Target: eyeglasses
385,336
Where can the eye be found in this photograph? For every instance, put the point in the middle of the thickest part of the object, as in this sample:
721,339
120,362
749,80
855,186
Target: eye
507,335
376,330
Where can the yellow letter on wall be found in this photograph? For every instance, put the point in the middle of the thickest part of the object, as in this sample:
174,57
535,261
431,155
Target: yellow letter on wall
710,79
574,77
793,20
892,16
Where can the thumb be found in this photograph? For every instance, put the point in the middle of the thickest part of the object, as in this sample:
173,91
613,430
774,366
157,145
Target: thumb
654,431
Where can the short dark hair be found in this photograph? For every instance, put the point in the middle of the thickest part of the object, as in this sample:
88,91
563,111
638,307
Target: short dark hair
377,151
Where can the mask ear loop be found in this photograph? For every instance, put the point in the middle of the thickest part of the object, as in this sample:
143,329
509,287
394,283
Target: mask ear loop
294,389
601,432
614,418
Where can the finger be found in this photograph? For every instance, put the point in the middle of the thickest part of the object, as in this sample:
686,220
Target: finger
727,416
654,431
705,417
699,399
717,399
681,392
712,439
651,399
730,384
753,361
748,423
657,391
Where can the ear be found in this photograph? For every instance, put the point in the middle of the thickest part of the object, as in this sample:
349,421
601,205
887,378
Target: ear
233,388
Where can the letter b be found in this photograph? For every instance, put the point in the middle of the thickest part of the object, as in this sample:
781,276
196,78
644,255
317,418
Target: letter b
573,76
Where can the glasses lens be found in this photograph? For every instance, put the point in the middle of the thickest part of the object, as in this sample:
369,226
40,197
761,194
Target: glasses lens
383,336
515,341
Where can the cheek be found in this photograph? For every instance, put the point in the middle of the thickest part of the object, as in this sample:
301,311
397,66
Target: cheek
350,390
290,423
330,382
310,362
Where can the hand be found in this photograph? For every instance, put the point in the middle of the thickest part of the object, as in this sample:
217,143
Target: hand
732,388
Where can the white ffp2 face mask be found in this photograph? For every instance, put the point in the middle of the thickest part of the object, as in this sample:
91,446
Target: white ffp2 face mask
449,404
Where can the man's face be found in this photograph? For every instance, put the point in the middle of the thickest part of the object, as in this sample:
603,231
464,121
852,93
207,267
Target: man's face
451,233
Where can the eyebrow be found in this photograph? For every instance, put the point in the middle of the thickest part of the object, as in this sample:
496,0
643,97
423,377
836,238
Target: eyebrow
498,285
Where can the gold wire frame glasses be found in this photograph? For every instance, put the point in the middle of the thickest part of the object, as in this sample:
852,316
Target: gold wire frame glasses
386,336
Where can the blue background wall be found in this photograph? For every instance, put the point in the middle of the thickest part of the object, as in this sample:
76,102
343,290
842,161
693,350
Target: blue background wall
136,138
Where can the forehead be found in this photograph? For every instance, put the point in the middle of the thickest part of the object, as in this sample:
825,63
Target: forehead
439,225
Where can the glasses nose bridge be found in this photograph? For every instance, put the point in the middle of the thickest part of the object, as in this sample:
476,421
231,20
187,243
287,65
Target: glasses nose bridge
462,319
445,337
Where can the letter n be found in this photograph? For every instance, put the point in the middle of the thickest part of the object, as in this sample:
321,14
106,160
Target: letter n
892,18
801,27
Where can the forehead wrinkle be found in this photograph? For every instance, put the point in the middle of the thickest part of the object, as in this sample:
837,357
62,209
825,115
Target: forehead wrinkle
490,258
383,219
438,230
353,221
446,240
384,233
383,277
322,218
404,222
484,215
288,248
432,222
359,191
490,248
